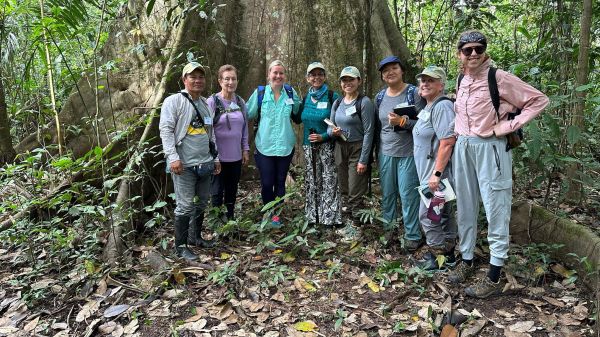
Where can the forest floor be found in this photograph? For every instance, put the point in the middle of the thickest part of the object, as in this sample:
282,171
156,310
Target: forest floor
295,281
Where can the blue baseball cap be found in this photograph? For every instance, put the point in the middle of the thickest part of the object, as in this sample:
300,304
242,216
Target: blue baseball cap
388,60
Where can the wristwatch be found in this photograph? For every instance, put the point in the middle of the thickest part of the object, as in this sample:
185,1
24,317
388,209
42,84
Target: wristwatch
437,173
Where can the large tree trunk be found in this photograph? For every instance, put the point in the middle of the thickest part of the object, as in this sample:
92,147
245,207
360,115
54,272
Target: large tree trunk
575,192
7,152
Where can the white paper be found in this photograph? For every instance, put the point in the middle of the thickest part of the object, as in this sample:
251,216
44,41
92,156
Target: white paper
233,106
289,101
449,194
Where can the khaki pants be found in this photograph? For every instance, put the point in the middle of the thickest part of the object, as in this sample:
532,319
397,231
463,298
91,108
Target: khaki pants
353,186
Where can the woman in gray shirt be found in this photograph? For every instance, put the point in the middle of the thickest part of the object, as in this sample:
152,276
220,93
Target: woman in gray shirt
353,116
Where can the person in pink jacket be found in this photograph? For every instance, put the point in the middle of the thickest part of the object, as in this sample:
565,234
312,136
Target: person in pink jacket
482,161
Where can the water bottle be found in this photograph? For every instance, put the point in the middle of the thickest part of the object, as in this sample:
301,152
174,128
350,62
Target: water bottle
436,207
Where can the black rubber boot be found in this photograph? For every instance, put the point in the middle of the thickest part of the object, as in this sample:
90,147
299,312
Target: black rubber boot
195,234
182,224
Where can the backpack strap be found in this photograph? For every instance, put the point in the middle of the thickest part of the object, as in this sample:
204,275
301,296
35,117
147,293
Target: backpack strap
379,97
330,97
261,94
198,114
410,94
290,92
336,104
458,80
219,108
494,94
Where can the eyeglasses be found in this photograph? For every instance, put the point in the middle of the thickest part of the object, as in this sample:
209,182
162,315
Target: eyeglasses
467,51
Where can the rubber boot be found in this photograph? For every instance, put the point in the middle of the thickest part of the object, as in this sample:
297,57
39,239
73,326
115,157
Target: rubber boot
195,234
182,224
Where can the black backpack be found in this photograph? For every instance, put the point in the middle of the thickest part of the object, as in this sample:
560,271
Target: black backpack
220,109
514,138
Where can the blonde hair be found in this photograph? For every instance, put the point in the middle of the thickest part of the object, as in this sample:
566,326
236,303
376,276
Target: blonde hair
274,64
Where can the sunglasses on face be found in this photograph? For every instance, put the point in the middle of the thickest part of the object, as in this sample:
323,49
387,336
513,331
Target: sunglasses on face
467,51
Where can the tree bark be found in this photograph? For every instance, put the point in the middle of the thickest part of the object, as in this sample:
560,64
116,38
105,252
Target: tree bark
7,152
575,193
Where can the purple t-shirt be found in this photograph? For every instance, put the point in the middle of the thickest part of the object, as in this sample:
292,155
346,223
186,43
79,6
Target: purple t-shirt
231,137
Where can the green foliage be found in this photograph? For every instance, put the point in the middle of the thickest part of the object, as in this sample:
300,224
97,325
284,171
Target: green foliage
225,273
273,274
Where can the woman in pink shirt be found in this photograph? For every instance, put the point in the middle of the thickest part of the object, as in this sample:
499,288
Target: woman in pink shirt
482,160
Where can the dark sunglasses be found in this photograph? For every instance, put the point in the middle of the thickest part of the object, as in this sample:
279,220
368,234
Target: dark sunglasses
467,51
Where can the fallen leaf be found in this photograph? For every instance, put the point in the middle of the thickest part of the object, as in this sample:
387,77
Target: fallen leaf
449,331
31,324
107,327
553,301
221,327
172,293
194,326
504,314
271,334
131,327
87,310
289,257
278,296
508,333
373,286
225,256
305,326
580,312
562,271
385,332
523,326
549,321
473,328
118,332
115,310
59,326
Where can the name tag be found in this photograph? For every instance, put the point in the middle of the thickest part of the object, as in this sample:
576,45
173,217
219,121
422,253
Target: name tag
322,105
208,120
234,106
289,101
424,115
350,111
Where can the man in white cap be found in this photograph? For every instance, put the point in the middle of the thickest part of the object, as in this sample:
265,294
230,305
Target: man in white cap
189,146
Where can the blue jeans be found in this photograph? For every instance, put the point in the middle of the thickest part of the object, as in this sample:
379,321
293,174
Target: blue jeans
398,177
273,171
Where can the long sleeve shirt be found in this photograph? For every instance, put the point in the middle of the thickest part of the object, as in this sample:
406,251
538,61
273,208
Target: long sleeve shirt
357,128
231,130
275,135
176,115
313,115
475,113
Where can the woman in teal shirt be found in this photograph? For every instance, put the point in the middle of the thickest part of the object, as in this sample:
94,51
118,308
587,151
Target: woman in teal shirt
323,201
272,106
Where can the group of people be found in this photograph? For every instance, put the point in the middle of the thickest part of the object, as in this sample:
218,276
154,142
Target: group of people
463,143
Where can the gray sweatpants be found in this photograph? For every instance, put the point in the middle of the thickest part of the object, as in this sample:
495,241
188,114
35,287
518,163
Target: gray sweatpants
483,171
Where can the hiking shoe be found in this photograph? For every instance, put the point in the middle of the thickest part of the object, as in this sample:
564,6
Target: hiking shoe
461,273
412,245
484,288
349,233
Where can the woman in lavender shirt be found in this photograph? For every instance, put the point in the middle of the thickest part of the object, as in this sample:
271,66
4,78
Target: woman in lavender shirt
231,132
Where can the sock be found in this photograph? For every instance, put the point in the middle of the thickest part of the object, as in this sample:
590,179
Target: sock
494,273
468,262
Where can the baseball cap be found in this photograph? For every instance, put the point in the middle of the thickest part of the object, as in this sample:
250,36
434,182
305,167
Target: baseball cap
471,36
350,71
190,67
388,60
315,65
434,72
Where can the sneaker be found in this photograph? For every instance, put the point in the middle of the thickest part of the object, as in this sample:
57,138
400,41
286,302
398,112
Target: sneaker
484,288
276,222
412,245
349,233
461,273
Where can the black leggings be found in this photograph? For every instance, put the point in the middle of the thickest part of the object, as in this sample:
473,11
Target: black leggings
225,186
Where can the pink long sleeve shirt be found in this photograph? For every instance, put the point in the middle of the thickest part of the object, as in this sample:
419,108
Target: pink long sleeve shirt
475,113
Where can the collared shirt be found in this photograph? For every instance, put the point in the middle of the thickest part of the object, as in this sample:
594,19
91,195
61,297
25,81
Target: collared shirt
475,113
275,135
